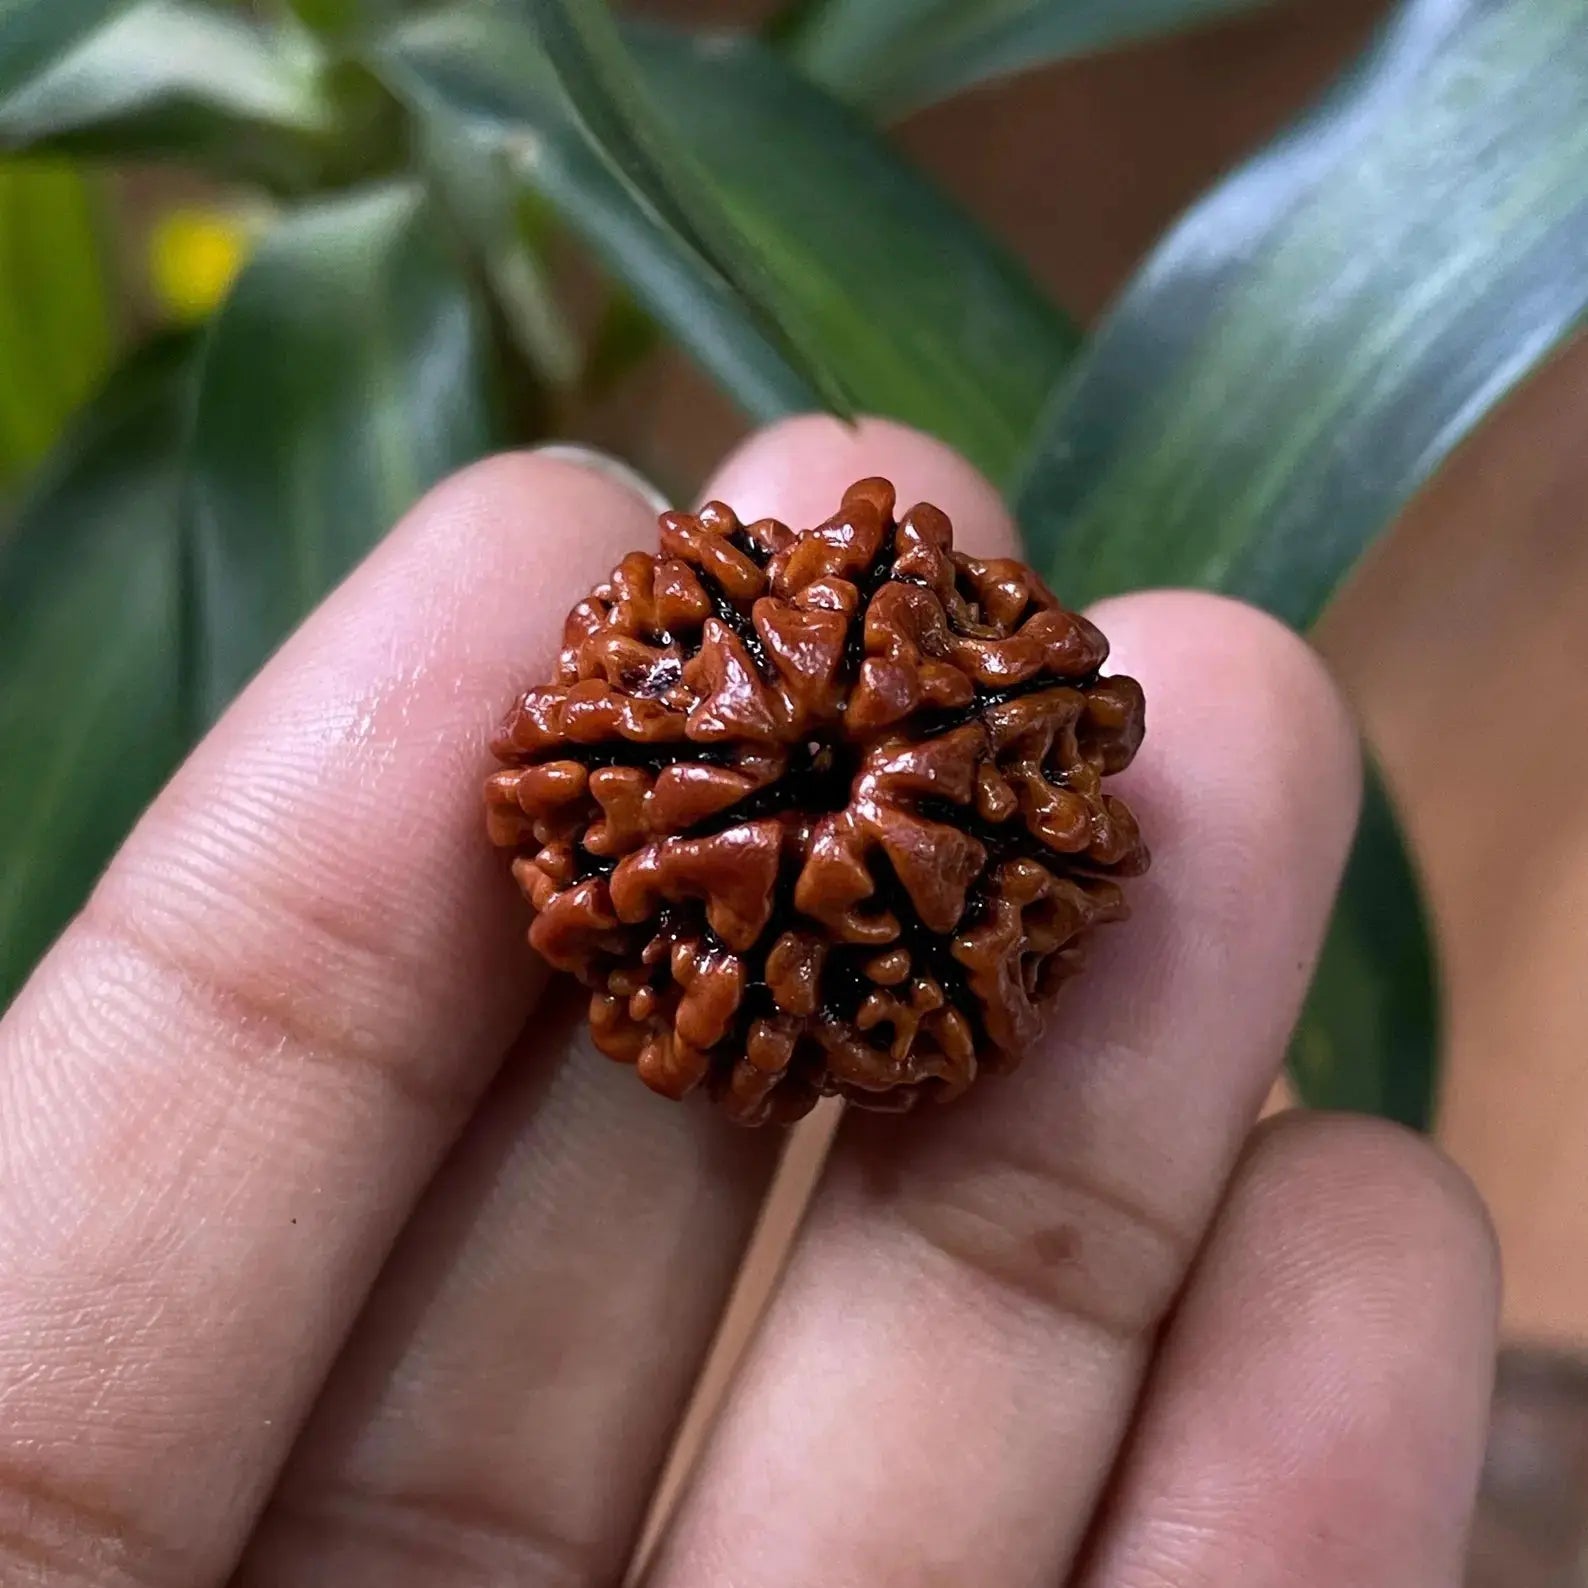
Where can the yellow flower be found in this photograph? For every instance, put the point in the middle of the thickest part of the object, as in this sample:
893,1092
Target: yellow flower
194,255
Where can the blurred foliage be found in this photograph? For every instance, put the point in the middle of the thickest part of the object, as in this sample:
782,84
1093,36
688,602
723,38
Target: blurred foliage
961,343
348,371
91,715
1311,340
1294,360
35,32
183,80
611,100
56,321
892,55
1373,991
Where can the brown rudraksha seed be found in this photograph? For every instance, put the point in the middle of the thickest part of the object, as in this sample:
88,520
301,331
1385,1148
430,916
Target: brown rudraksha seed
819,812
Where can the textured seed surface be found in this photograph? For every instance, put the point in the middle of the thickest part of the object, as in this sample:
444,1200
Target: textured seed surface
819,812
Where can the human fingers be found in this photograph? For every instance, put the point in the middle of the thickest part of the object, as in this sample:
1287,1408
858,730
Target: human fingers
228,1082
501,1412
1316,1415
961,1336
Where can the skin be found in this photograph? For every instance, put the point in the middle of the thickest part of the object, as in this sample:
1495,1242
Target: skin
331,1254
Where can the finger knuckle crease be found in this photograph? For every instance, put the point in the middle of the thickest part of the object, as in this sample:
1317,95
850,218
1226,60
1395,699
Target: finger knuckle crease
432,1536
1057,1237
55,1532
279,1026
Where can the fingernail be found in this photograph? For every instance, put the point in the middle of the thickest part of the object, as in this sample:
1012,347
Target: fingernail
614,469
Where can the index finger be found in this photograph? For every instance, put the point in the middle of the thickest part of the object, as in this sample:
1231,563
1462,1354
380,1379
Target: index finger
228,1082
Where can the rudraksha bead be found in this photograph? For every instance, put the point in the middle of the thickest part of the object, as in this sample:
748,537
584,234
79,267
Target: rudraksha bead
819,812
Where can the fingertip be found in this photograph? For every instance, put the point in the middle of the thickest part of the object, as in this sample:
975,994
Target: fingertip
1386,1199
524,473
1204,650
607,467
1248,784
366,737
1322,1394
478,575
797,469
1367,1262
562,506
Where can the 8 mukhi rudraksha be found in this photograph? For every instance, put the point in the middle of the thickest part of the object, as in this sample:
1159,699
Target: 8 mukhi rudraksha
819,812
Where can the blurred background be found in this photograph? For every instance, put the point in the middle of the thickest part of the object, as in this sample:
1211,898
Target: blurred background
1462,639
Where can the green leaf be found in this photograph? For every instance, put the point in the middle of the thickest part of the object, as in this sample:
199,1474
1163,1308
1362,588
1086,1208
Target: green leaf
1369,1035
334,18
33,33
343,19
349,370
1298,357
55,313
895,55
623,338
473,178
89,698
930,320
612,100
480,67
927,316
1309,343
174,79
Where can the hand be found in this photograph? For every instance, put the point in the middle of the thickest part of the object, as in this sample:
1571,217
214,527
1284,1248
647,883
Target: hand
303,1283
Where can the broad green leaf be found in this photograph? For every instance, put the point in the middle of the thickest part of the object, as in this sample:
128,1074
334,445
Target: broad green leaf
612,100
925,314
1309,343
1369,1036
89,700
1298,357
349,370
177,79
33,33
930,321
55,313
894,55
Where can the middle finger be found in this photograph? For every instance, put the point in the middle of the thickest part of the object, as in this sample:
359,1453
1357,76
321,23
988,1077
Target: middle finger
505,1404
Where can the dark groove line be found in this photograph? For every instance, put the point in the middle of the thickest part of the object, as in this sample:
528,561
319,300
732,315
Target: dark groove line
732,618
931,724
